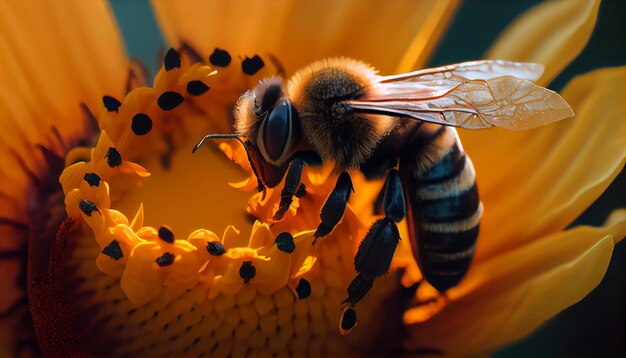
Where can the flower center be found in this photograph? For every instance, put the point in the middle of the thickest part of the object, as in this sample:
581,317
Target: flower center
191,192
159,283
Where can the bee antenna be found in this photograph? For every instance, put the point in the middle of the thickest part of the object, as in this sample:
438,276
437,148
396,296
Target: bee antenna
216,136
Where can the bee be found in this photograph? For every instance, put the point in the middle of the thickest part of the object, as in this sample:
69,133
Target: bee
401,127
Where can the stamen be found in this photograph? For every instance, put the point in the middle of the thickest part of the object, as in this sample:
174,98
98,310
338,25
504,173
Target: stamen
196,88
215,248
113,157
169,100
250,66
220,58
166,234
142,124
92,179
87,207
284,242
111,103
172,60
303,289
113,250
247,271
165,260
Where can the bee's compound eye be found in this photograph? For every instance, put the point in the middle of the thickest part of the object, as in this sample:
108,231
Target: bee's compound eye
276,130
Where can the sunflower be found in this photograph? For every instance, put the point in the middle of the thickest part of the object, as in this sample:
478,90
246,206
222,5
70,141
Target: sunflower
116,240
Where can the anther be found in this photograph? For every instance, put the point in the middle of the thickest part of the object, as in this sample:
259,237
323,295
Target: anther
92,179
166,234
303,289
113,157
220,58
247,271
165,260
250,66
87,207
142,124
113,250
196,88
215,248
111,103
284,242
171,60
169,100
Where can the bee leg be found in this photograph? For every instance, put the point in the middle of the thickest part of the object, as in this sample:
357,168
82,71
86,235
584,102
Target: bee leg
335,205
292,183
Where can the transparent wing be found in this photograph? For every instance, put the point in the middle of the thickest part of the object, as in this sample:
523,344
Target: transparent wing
435,82
504,101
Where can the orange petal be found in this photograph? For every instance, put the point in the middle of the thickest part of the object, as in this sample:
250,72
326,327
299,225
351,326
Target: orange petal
536,182
347,28
505,298
552,33
54,56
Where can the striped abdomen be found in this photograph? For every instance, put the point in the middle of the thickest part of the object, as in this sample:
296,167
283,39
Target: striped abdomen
443,207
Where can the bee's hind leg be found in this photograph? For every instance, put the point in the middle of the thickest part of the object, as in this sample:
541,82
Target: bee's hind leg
375,252
335,205
292,187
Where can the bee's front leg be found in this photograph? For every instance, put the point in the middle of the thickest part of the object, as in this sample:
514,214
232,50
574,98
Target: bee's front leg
292,187
335,205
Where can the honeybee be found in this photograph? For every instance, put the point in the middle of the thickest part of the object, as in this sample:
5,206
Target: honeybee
399,126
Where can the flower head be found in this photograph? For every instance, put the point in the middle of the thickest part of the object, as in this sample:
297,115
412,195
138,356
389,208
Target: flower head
136,246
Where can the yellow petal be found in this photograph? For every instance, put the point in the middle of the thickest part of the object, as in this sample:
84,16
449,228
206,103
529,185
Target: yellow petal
536,182
552,33
140,281
301,32
54,56
507,297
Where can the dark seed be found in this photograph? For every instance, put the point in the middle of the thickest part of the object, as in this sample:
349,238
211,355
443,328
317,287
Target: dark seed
113,250
171,60
250,66
165,260
284,242
87,207
142,124
247,271
303,289
111,103
92,179
196,88
348,320
215,248
166,234
169,100
113,157
220,58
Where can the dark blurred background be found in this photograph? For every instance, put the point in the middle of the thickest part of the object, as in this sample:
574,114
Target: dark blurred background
596,326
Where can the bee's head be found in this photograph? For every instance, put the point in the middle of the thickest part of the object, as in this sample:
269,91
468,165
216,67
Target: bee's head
269,121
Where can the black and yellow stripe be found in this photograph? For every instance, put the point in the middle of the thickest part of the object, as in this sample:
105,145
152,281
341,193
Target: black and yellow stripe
442,204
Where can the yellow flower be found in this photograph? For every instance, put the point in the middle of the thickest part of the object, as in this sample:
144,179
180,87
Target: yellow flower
77,166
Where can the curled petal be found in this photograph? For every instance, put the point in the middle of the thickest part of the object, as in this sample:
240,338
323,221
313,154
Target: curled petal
552,33
507,297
